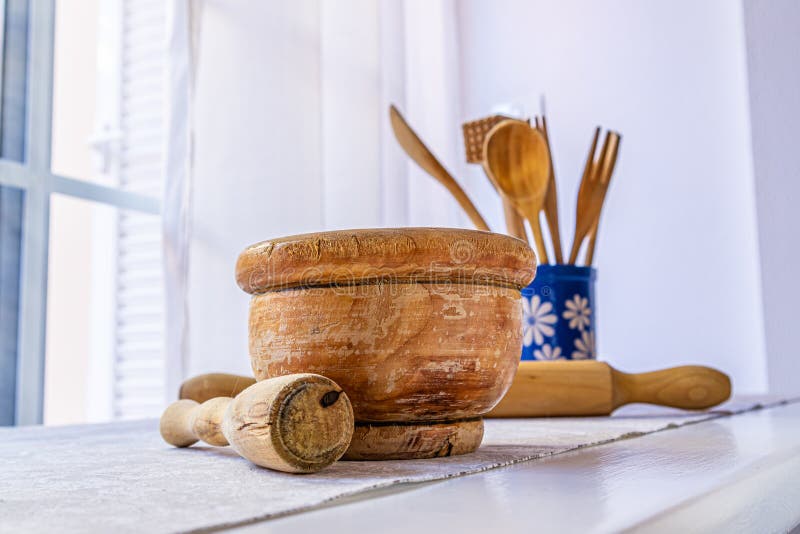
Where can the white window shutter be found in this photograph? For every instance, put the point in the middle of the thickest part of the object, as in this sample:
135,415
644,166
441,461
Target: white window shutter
139,368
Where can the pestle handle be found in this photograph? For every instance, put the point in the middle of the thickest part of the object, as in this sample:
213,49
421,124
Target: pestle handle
297,423
185,422
691,387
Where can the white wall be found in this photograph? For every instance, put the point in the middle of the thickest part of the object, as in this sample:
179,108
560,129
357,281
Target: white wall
773,54
257,158
677,253
292,136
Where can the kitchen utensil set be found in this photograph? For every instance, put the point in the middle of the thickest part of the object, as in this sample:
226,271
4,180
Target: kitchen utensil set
521,170
591,196
452,349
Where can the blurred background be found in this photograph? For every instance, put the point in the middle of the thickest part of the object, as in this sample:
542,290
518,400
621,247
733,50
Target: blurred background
144,144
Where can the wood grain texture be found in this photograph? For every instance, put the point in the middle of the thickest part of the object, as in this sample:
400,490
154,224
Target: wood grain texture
691,387
395,255
583,219
402,352
516,160
551,198
582,388
423,157
544,389
207,421
414,441
208,386
475,133
418,325
296,423
176,423
606,171
592,193
515,224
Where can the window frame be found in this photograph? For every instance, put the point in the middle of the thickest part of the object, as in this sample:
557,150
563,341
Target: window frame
35,178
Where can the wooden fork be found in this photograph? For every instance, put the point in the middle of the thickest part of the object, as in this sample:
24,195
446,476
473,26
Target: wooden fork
592,191
605,178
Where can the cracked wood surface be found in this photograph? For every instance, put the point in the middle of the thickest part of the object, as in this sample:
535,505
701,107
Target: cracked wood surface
401,352
297,423
417,325
349,257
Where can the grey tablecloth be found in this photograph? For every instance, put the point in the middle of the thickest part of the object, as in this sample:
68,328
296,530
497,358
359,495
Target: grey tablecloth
121,477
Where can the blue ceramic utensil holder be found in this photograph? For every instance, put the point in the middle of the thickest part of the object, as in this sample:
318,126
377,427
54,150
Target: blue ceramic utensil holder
559,314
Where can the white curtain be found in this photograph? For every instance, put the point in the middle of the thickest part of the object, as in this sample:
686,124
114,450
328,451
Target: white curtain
183,32
286,106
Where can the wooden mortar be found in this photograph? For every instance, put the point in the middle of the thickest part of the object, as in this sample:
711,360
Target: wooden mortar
421,327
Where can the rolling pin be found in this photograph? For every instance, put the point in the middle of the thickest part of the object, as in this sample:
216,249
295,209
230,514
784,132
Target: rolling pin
201,388
297,423
567,388
583,388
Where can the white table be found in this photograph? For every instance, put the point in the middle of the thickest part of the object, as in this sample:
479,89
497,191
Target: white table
736,474
731,473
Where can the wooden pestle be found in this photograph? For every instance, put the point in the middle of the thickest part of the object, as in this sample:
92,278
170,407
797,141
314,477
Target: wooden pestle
296,423
582,388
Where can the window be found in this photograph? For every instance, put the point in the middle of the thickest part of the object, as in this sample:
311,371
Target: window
80,187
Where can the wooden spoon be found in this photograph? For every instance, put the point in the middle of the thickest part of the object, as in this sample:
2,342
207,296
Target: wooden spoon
475,133
423,157
515,158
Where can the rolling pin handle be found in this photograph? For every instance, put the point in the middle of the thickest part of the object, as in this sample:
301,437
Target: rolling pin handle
690,387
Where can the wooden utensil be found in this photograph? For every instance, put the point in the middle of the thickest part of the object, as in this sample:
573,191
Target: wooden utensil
584,216
423,157
369,442
474,137
204,387
551,198
584,388
581,388
516,160
296,423
607,169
